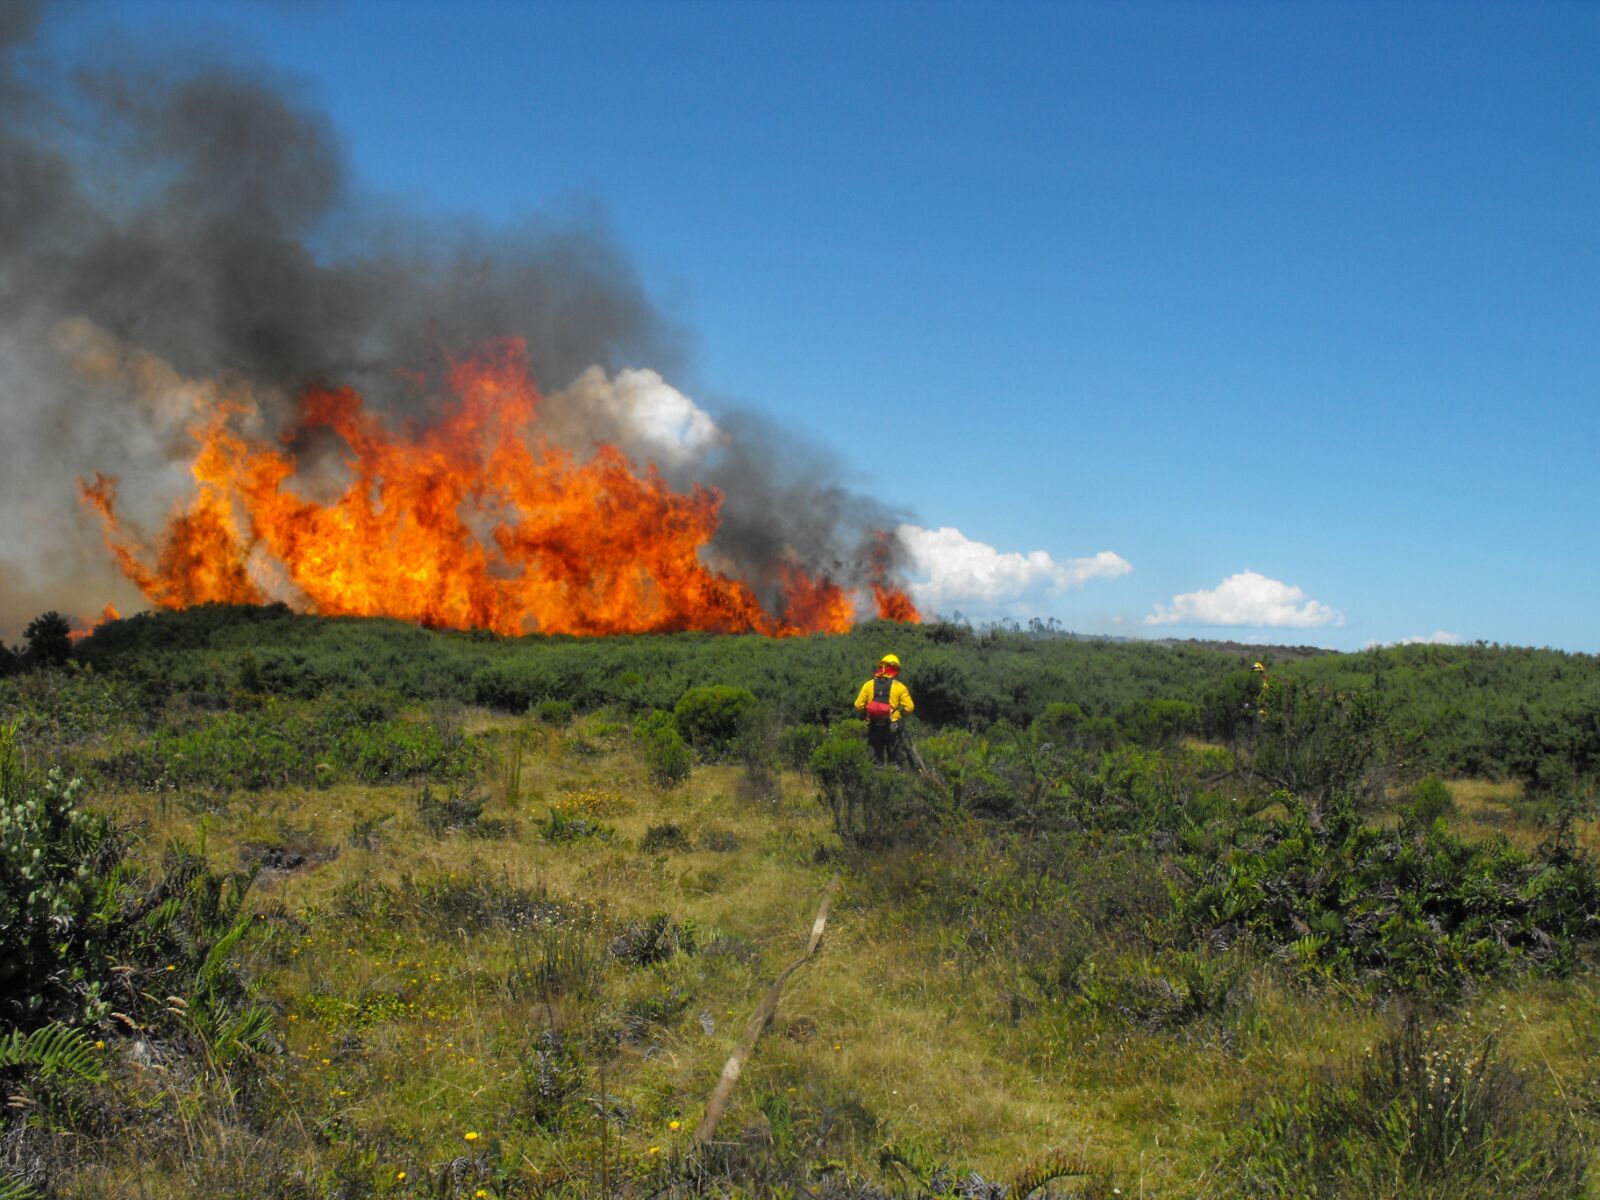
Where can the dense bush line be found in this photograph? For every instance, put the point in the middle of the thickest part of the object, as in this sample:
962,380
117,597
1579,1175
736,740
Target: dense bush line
962,677
1504,712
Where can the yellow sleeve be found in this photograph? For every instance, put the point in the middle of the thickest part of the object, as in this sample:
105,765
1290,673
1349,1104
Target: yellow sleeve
863,696
900,698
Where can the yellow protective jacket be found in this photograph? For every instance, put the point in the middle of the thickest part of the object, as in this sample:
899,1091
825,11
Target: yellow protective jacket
899,699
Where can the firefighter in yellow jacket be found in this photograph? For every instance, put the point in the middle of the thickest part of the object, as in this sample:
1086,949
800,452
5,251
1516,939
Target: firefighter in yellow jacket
882,701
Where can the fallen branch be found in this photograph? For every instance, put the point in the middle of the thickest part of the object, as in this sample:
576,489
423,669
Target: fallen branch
756,1026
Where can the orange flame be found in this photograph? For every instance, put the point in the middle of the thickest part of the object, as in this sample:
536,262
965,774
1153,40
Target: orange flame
472,521
893,603
81,628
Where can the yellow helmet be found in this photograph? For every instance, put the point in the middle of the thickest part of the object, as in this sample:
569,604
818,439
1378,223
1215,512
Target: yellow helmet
1257,667
890,659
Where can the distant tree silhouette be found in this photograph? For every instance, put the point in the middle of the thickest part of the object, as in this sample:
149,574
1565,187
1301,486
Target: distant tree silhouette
49,637
10,661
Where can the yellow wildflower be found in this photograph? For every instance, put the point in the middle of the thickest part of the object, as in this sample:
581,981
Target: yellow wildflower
470,1135
674,1125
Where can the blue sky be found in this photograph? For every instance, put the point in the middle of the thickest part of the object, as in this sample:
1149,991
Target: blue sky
1291,308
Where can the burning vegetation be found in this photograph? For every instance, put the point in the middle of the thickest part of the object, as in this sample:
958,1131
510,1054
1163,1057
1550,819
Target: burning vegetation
184,258
471,519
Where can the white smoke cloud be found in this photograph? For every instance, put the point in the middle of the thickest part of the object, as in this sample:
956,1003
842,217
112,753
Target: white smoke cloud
949,570
650,418
1248,598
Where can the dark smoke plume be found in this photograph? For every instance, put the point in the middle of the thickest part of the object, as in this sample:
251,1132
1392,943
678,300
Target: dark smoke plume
197,214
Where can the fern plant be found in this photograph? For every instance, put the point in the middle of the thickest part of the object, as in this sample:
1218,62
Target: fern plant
52,1050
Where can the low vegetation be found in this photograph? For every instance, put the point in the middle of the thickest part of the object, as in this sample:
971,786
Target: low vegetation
308,908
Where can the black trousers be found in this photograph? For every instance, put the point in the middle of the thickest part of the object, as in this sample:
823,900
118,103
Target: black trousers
884,741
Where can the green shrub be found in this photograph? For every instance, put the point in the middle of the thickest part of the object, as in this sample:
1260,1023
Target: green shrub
981,777
1318,743
711,719
232,750
1158,722
719,841
461,808
868,802
1430,800
363,706
1098,734
554,712
843,769
559,828
510,687
666,836
667,757
56,904
796,744
1166,993
948,691
398,750
1229,705
1057,725
1126,790
756,749
653,940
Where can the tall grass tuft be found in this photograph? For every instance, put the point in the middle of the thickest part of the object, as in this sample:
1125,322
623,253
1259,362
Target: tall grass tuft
553,962
511,767
1430,1114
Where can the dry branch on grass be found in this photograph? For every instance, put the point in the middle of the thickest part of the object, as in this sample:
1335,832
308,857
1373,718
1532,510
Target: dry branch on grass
757,1024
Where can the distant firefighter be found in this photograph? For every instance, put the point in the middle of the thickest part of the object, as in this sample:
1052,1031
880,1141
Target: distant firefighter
1261,693
882,701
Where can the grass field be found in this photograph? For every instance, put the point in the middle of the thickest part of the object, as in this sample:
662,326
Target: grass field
381,911
527,985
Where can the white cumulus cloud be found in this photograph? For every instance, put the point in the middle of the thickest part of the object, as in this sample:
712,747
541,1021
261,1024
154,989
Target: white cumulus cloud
1248,598
949,570
1438,637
